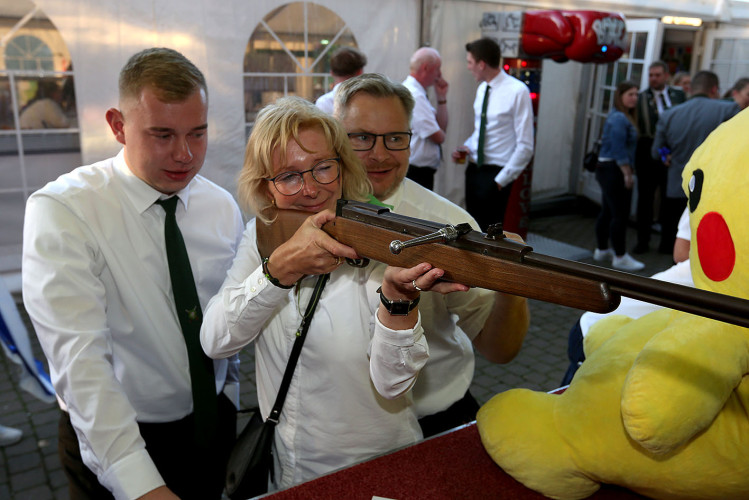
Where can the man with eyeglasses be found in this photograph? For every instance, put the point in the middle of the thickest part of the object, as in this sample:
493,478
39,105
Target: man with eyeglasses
376,114
427,123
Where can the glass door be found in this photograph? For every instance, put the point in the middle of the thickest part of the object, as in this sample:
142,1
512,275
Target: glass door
727,55
644,40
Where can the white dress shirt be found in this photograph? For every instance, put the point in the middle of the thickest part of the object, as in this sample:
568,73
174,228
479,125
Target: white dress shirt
683,229
424,152
451,321
509,126
96,285
332,416
326,102
680,273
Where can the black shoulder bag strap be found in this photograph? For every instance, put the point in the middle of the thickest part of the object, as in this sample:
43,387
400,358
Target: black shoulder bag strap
301,334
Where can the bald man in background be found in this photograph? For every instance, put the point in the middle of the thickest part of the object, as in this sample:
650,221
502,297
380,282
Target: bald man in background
428,124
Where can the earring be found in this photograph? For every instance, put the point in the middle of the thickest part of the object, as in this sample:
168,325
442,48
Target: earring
273,202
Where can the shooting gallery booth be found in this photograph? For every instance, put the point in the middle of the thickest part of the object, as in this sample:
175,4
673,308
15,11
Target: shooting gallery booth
254,51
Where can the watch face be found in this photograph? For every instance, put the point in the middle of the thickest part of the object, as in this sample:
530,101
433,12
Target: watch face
400,308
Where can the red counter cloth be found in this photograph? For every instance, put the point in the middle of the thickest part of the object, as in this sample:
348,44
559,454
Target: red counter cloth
451,466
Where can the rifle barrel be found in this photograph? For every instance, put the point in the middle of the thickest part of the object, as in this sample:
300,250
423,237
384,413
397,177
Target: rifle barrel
713,305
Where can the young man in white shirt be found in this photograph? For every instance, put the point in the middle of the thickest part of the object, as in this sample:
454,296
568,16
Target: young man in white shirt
345,63
501,145
98,288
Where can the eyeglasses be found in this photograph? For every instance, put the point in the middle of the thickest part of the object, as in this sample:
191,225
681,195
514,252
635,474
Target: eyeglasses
394,141
324,172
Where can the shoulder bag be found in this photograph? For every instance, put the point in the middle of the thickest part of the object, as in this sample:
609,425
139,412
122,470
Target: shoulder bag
591,157
251,460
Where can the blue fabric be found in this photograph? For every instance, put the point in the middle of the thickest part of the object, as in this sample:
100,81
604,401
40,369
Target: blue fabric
618,139
14,340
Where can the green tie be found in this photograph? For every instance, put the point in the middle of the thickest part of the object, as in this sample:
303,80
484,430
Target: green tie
482,128
190,316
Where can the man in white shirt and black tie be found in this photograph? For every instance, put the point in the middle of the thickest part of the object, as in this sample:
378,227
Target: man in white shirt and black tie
145,413
501,145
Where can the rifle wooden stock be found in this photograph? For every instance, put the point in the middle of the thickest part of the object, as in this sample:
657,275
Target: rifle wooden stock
501,264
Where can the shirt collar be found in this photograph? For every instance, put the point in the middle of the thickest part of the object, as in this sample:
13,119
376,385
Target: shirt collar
140,194
413,81
497,80
394,199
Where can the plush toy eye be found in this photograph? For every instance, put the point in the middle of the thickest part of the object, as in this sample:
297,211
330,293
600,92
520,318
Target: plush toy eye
695,189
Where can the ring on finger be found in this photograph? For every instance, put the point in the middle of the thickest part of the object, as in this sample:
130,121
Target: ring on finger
337,260
413,282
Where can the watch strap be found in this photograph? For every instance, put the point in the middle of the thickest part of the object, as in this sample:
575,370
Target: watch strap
398,307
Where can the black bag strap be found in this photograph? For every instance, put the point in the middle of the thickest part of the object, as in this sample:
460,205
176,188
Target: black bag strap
301,334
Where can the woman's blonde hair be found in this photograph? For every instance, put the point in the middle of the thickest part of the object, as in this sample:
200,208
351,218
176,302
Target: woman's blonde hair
275,126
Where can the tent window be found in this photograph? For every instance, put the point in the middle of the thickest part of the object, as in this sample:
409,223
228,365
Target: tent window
39,137
289,54
29,53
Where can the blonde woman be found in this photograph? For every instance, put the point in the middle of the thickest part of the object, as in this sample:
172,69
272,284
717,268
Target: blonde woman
349,397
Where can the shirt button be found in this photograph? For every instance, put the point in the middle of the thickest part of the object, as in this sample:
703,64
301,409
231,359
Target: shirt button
261,281
253,289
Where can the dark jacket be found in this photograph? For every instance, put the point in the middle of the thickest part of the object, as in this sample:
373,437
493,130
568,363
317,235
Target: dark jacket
683,128
647,110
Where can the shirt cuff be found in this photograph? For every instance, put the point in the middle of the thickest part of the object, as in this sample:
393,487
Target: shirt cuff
133,476
399,338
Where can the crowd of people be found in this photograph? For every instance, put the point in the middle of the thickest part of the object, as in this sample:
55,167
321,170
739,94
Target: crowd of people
143,281
647,139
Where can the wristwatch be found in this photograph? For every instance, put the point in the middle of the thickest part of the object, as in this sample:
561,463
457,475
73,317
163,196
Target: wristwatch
398,307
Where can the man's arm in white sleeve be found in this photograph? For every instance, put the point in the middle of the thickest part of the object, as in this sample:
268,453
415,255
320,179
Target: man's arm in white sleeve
66,301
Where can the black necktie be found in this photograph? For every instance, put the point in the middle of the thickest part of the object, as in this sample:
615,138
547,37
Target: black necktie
190,316
662,97
482,128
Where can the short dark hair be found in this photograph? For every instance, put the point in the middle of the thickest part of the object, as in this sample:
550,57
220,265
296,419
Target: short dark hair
740,84
346,61
659,64
485,49
170,74
704,81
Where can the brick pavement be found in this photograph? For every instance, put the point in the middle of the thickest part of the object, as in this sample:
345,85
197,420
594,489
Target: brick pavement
30,470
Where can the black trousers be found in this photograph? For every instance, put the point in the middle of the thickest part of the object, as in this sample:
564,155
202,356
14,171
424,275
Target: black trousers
651,177
422,175
484,201
461,412
616,200
672,210
191,472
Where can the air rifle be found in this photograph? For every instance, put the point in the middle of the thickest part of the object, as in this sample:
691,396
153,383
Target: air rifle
489,260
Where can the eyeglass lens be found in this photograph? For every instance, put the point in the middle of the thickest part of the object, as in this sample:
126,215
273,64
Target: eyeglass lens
324,172
394,141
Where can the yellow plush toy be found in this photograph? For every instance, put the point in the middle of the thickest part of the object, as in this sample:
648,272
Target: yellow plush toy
661,404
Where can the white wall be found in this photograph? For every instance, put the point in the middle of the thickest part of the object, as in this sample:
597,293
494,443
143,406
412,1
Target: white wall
102,34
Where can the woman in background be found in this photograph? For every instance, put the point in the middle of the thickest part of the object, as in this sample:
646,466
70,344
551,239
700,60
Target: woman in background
739,93
615,174
683,80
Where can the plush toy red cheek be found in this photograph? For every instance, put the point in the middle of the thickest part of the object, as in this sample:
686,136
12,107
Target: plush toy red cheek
715,247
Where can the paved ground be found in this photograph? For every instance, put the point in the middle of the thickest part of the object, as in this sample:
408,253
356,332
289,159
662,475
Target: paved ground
30,470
